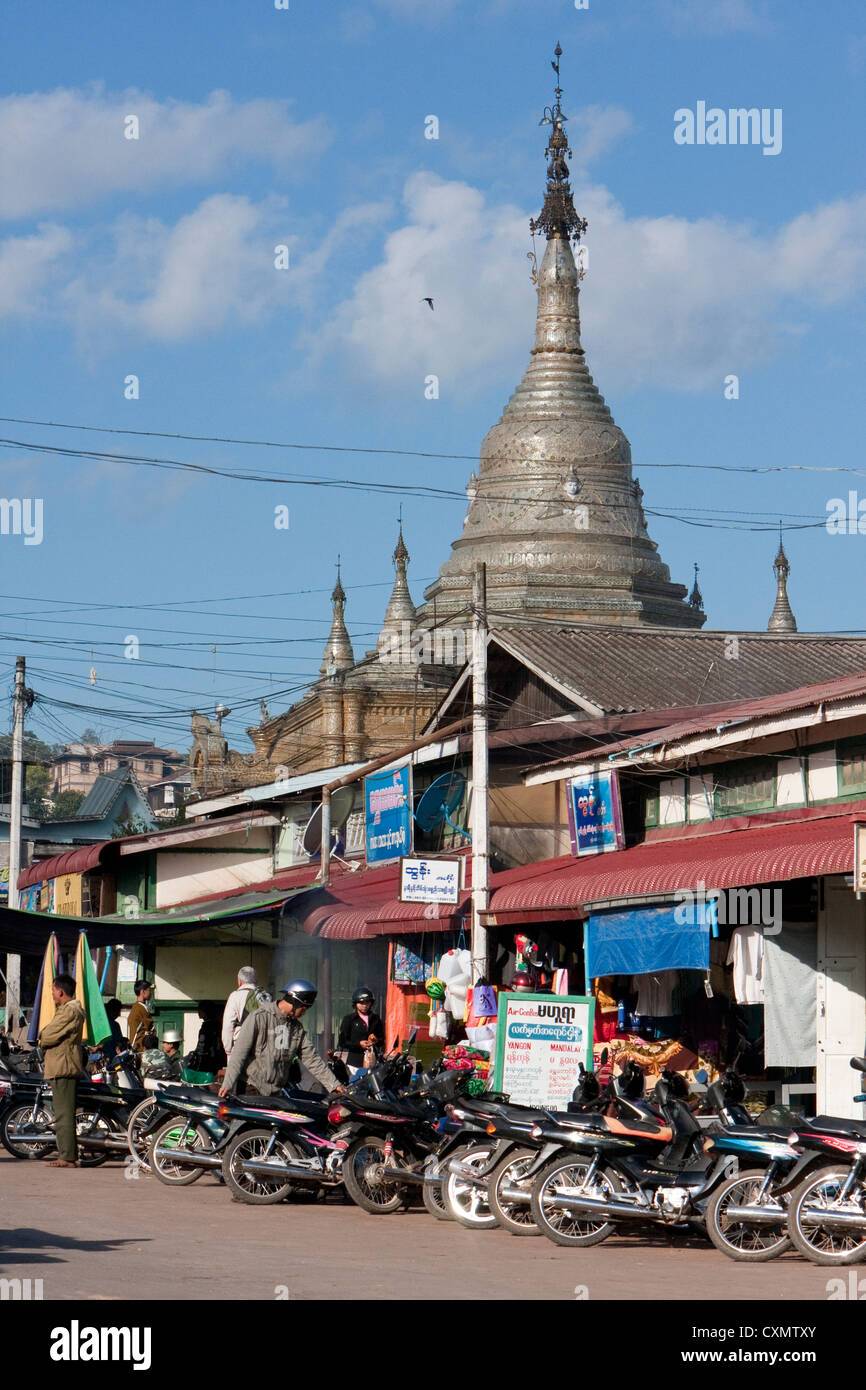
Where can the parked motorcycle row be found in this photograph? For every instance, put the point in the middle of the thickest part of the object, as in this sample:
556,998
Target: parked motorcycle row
615,1161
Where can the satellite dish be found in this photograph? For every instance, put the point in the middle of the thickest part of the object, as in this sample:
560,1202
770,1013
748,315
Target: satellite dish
342,802
439,801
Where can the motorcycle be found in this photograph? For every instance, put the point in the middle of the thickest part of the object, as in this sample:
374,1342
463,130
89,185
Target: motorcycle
397,1127
103,1102
283,1142
646,1164
485,1186
827,1209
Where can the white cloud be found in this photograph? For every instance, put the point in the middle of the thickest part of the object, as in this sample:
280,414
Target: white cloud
63,149
214,266
668,301
714,16
28,264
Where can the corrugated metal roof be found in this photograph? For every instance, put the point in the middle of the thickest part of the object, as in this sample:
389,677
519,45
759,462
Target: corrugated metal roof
746,711
630,669
105,791
797,846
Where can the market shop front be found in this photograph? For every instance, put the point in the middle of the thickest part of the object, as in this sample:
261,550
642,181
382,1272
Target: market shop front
735,943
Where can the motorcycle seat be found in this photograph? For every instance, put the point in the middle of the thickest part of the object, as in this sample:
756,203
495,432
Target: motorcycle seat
756,1132
832,1124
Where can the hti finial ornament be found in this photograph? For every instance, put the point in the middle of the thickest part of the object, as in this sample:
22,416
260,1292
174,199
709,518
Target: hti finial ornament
558,216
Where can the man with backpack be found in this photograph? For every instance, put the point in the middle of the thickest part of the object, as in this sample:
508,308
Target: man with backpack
240,1004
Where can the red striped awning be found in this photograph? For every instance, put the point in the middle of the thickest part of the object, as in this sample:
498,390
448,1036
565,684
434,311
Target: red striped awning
818,841
72,861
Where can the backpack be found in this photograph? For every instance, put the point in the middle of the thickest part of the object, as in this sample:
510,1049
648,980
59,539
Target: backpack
255,998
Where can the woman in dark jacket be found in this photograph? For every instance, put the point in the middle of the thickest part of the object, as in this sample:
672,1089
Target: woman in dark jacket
361,1029
209,1054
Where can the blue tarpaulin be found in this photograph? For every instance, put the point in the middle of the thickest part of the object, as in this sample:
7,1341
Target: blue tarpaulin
646,939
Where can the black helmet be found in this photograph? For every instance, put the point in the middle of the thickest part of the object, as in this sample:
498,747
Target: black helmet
301,992
362,996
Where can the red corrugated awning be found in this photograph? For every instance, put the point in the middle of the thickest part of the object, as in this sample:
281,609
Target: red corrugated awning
72,861
394,917
365,905
808,843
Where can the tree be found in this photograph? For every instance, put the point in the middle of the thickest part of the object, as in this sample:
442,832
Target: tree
66,805
91,736
132,825
37,785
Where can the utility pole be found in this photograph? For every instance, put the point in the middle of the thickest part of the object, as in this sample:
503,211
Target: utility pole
480,779
13,962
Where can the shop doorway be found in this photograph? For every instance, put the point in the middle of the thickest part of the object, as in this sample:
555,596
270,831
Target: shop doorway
841,998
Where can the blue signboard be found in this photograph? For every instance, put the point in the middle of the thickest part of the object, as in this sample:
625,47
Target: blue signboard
594,813
388,814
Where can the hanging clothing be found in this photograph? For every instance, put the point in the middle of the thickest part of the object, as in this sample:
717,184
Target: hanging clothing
788,976
655,993
746,955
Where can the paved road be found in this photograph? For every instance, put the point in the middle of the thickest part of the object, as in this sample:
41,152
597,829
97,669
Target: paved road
94,1234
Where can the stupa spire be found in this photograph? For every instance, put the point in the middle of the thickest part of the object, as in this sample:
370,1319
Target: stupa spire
782,617
558,216
400,608
555,512
339,656
696,598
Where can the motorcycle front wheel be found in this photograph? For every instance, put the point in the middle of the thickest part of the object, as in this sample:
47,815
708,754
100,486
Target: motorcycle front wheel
741,1239
432,1195
258,1145
138,1143
17,1121
177,1134
563,1177
514,1216
810,1219
365,1179
467,1202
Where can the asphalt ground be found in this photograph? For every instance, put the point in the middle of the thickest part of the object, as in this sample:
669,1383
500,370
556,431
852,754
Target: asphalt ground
95,1234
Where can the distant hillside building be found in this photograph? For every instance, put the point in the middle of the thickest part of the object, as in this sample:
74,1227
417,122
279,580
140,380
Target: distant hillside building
79,764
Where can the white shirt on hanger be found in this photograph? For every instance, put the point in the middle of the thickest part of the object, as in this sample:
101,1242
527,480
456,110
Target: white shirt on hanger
655,993
746,955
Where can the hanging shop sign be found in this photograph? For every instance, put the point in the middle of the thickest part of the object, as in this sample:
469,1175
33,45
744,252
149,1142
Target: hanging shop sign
595,813
429,880
67,895
388,814
860,857
541,1039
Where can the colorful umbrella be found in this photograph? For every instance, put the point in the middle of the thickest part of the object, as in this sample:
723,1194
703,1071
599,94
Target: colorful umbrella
44,1006
96,1025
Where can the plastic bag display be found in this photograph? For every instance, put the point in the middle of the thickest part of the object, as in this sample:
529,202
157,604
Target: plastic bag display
455,970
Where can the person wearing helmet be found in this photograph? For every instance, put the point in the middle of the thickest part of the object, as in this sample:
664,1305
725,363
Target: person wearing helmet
361,1031
171,1041
269,1041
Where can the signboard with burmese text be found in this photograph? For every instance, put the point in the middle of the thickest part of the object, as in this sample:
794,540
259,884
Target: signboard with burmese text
541,1039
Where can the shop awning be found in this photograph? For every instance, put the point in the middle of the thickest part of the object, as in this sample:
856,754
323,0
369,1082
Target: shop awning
645,940
366,904
738,853
24,932
396,918
72,861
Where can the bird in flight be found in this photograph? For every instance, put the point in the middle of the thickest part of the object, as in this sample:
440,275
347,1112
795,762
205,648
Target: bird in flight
427,300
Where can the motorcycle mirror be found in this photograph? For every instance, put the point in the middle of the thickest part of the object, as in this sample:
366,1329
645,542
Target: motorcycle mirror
605,1054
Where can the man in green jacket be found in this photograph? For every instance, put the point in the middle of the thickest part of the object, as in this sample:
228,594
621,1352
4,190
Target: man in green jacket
269,1041
60,1041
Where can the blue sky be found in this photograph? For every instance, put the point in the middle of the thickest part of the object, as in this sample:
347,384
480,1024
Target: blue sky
304,127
